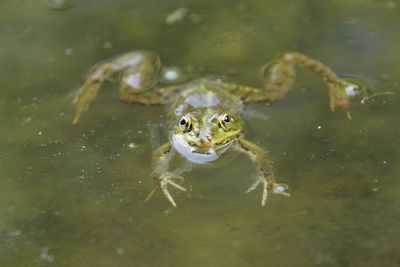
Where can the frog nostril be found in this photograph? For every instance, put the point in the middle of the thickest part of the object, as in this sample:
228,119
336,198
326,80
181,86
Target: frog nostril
204,135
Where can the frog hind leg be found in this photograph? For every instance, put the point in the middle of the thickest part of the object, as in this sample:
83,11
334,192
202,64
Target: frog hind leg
279,76
162,177
140,69
265,176
132,96
88,91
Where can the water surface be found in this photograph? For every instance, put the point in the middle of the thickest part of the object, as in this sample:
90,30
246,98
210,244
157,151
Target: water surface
73,195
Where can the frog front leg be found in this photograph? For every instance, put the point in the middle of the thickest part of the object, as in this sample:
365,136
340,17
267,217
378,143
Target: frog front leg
265,176
162,177
139,73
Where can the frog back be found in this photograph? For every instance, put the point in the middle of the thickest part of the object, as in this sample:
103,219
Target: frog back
204,97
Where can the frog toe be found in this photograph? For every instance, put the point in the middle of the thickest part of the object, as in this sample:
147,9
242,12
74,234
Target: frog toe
277,188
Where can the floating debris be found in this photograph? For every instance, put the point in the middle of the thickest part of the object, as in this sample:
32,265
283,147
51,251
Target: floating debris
176,16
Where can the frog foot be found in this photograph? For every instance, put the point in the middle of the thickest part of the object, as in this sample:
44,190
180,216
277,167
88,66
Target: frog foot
164,180
347,90
277,188
341,95
85,95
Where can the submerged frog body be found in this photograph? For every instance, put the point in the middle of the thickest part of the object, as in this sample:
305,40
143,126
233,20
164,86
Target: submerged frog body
205,114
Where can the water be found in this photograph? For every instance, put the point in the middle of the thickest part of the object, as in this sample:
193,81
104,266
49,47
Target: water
73,195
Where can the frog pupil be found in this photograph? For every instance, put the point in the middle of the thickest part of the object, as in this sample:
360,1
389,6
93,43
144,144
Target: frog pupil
182,122
227,118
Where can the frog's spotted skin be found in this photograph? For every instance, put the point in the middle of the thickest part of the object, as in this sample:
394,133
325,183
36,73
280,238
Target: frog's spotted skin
205,115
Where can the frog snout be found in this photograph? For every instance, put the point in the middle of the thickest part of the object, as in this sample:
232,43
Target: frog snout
204,135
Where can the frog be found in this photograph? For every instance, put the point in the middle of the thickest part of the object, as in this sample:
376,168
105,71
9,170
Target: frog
205,115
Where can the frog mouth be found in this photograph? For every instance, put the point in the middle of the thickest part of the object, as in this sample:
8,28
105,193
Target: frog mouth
203,151
210,149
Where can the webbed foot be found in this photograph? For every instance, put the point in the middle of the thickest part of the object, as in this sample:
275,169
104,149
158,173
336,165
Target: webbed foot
164,180
277,188
347,90
85,95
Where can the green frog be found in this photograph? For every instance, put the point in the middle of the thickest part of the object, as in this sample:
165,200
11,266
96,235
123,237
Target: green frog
205,115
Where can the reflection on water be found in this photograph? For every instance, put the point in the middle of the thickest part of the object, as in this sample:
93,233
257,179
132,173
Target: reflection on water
73,195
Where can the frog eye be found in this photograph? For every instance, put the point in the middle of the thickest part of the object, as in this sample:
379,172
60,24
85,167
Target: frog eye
227,118
185,124
224,120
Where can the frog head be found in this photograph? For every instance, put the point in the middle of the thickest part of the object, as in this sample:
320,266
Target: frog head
203,138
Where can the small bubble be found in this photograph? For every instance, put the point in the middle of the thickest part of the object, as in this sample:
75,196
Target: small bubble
319,127
45,256
351,21
59,5
240,7
26,120
132,145
168,211
390,5
14,233
40,133
119,251
69,51
107,45
171,75
195,18
279,189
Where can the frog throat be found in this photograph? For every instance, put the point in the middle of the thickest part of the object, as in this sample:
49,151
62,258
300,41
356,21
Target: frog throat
199,155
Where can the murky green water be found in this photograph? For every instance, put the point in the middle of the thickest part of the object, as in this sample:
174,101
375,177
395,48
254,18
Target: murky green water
73,196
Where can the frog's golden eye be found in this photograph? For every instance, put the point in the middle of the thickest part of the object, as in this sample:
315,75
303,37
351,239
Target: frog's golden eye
224,120
185,123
